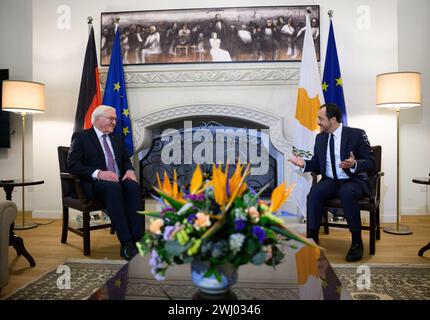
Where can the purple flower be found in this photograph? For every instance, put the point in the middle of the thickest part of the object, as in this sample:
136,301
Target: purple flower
253,192
155,259
259,233
195,197
239,225
167,232
191,218
167,209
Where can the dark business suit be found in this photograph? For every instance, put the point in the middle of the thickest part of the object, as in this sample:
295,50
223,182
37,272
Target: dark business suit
349,191
122,199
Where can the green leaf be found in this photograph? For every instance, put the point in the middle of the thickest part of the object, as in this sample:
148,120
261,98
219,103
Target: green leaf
187,259
217,275
259,258
210,272
173,248
185,208
173,202
249,200
155,214
250,247
270,234
291,235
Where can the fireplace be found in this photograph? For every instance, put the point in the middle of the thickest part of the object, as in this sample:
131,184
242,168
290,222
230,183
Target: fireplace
180,137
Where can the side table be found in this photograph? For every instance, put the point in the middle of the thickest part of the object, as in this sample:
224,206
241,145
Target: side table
425,181
14,240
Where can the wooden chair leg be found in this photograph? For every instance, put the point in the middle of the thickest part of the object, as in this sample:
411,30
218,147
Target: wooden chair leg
86,233
65,224
372,232
378,225
326,230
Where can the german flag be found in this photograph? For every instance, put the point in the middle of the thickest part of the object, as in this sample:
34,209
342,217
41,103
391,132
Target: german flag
89,93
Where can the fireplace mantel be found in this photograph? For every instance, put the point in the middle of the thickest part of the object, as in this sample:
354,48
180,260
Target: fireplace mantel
203,75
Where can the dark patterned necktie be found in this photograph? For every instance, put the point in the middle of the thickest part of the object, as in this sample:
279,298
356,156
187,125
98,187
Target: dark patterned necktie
332,159
110,161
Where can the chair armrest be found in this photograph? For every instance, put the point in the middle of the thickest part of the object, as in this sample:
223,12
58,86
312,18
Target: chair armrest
66,175
314,177
375,196
77,184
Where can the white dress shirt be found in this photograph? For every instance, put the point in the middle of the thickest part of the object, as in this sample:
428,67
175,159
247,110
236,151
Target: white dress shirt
339,171
100,136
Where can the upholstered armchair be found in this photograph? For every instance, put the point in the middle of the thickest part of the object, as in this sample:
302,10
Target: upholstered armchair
8,213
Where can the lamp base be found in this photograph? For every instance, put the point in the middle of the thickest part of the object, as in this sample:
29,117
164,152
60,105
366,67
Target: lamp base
25,226
403,230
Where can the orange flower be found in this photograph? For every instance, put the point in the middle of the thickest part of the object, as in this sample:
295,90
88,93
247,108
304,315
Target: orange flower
219,184
202,221
167,187
156,225
197,180
235,181
279,195
254,214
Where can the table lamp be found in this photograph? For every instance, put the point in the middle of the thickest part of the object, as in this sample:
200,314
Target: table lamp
23,97
396,91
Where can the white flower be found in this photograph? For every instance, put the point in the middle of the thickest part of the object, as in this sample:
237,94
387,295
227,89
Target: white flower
239,214
236,241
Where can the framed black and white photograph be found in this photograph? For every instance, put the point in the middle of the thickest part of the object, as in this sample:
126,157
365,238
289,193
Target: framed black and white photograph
210,35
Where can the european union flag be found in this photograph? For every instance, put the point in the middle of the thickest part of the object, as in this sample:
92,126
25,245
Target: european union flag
332,80
115,95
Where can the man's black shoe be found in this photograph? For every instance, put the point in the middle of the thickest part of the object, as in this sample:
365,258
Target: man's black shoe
355,253
128,250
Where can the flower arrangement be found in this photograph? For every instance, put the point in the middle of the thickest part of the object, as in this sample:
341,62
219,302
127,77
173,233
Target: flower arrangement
220,221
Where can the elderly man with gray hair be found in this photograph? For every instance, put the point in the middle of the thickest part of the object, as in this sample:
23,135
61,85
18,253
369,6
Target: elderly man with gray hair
100,159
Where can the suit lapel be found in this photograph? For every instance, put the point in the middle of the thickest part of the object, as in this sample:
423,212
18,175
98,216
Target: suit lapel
96,142
344,154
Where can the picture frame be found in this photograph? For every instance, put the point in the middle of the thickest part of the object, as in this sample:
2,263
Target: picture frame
210,35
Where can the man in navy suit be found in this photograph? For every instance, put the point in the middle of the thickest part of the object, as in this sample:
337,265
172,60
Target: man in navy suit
343,156
100,159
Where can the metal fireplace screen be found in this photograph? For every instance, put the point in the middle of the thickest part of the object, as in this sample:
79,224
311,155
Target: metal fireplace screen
234,141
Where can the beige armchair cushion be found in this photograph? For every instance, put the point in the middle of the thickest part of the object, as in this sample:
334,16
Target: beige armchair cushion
8,213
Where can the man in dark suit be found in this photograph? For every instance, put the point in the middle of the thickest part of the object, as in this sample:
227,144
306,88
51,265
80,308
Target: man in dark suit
100,159
343,156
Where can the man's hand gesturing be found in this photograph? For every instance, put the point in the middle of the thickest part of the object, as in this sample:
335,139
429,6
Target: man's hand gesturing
297,161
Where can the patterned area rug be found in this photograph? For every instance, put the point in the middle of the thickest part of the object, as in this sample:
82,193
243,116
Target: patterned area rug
377,281
86,276
385,281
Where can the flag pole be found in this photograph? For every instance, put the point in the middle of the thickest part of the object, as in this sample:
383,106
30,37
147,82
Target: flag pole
90,23
117,18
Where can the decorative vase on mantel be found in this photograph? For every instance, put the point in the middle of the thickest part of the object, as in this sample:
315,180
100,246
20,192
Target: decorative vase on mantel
210,285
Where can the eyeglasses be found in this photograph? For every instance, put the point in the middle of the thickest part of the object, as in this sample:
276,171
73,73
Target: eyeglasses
112,119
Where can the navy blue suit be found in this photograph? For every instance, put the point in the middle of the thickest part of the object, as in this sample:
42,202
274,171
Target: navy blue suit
122,199
349,191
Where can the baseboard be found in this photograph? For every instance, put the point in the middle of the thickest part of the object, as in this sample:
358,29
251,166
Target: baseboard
414,212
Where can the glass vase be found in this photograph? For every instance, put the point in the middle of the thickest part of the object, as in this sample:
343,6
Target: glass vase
211,285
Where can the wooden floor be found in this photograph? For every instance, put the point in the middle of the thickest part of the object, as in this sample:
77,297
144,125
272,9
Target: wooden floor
44,245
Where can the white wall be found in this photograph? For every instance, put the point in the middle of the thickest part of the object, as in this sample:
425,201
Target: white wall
58,57
16,25
414,55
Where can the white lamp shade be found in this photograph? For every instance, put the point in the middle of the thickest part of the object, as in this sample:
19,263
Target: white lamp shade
398,90
23,96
